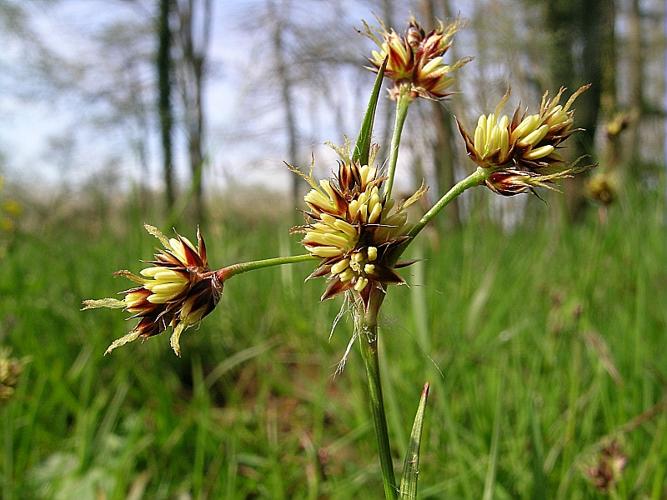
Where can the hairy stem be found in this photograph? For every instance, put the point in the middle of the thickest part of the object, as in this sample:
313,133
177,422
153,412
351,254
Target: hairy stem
366,323
402,106
244,267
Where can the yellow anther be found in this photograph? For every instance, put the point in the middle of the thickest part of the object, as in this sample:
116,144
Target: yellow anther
167,275
340,266
375,213
324,251
149,272
159,299
541,152
134,299
353,208
480,133
363,212
372,253
534,137
360,284
347,275
167,288
177,248
527,125
347,228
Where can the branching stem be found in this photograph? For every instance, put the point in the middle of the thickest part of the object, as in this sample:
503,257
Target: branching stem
475,179
244,267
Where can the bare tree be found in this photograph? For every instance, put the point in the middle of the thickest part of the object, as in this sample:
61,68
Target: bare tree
635,76
279,15
444,146
165,110
194,34
577,30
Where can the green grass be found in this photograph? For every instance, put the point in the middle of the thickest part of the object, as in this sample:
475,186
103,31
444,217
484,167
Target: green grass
540,344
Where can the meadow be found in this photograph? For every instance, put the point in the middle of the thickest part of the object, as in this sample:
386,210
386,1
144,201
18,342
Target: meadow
543,344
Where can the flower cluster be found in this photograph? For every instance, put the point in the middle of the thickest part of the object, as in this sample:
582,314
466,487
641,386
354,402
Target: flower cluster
603,188
353,229
415,59
177,290
10,370
522,151
609,467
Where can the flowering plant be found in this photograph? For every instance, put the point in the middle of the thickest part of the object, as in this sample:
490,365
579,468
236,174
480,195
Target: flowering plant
355,229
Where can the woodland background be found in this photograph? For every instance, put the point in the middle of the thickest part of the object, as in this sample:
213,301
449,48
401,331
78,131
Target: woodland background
540,323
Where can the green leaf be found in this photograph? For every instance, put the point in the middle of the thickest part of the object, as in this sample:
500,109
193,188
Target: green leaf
411,464
363,144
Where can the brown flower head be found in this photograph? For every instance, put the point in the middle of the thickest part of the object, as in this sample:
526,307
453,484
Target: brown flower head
415,60
177,290
522,151
609,466
353,229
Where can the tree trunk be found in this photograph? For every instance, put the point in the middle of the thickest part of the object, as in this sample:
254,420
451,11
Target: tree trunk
636,69
578,23
195,143
590,29
609,97
444,145
286,91
165,111
195,33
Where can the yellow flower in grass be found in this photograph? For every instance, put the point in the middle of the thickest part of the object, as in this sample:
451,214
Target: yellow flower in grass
415,60
522,151
177,290
353,229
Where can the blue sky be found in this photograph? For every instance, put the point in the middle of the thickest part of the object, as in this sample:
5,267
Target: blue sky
35,118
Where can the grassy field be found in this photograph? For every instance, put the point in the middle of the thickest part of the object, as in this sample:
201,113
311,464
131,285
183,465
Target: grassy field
542,345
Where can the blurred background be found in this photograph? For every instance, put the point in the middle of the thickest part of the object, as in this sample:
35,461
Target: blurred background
540,323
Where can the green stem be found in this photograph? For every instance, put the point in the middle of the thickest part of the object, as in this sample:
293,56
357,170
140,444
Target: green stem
402,106
368,342
474,179
244,267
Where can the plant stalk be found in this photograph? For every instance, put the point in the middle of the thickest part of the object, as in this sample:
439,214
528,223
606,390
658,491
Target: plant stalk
367,325
474,179
402,106
243,267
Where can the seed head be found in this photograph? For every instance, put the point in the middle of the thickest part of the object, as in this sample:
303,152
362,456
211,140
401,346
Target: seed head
353,229
522,151
177,290
415,60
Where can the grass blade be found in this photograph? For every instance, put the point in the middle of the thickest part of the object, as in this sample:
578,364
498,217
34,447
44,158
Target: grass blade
363,144
411,464
490,480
